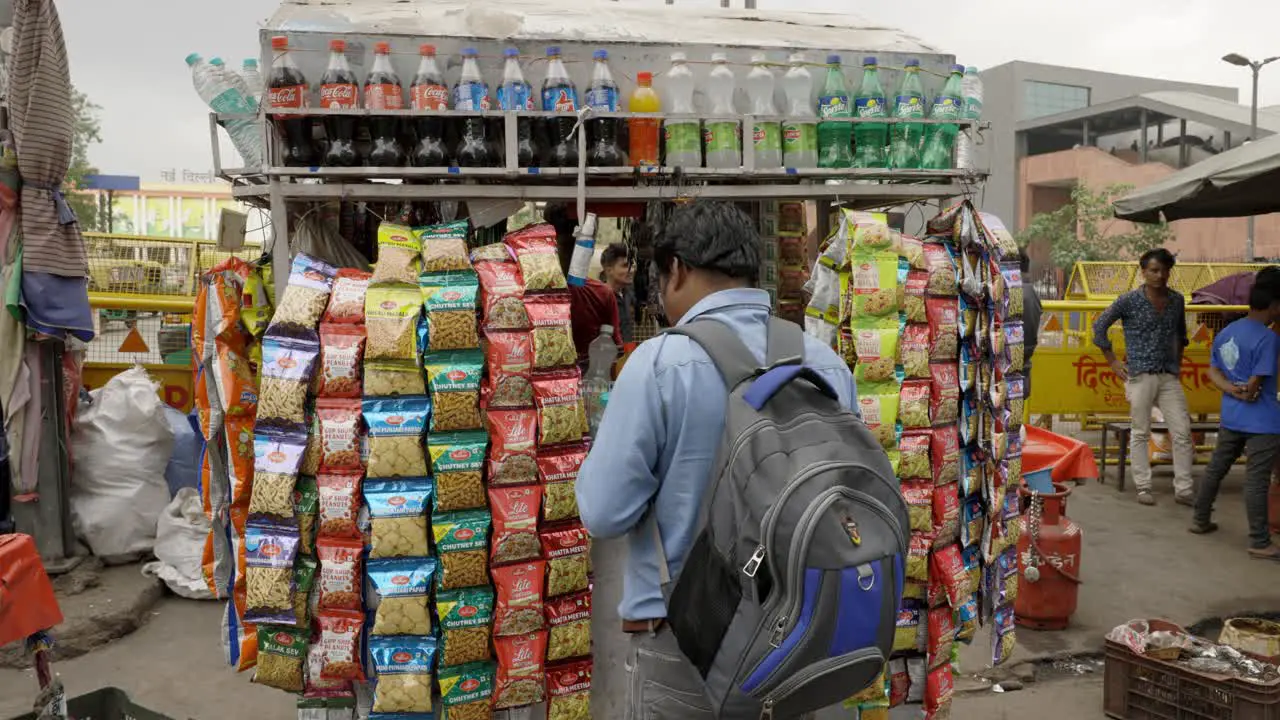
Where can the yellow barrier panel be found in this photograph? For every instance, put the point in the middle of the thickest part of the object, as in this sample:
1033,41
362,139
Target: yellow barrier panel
1106,280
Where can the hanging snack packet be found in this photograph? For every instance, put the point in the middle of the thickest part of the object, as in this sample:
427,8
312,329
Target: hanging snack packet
493,252
552,331
454,379
398,517
509,358
457,464
914,295
341,351
515,523
466,691
919,498
566,548
339,420
867,233
967,318
305,296
535,250
558,472
340,644
444,247
967,619
913,407
398,256
449,299
315,686
878,405
501,296
306,505
270,551
277,455
391,321
944,338
918,556
393,378
466,617
404,664
944,398
569,618
1013,281
569,690
561,416
912,250
287,366
462,545
396,426
877,349
946,515
906,628
1014,360
874,284
942,635
520,669
339,505
948,568
281,654
944,452
913,450
944,280
973,521
304,577
1003,636
520,597
310,464
513,458
340,575
403,586
913,350
346,302
937,694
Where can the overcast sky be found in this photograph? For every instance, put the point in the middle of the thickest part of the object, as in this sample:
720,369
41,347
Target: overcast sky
127,55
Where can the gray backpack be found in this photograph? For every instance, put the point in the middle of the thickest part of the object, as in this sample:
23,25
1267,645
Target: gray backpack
788,599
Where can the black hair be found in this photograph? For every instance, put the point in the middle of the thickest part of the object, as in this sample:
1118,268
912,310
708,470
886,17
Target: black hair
710,235
1263,295
558,215
1269,275
612,254
1160,255
1024,261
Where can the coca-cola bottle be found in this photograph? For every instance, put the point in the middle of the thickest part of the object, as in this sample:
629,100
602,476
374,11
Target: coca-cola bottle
429,92
382,91
288,90
338,91
471,94
514,94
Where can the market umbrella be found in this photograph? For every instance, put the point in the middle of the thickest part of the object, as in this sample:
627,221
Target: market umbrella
1235,183
1230,290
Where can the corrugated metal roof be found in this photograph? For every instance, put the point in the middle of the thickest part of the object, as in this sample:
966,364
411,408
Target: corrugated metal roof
1190,106
593,21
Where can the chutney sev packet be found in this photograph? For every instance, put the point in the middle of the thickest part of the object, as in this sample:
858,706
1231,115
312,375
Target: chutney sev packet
402,587
449,299
457,465
513,457
466,691
444,246
462,545
520,669
466,620
515,523
509,360
454,379
569,690
501,296
398,517
520,597
341,577
566,549
558,472
569,620
341,354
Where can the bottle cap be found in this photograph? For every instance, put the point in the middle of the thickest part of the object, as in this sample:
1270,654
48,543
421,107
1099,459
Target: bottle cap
971,70
427,50
338,45
553,50
719,58
678,57
759,58
957,69
644,79
913,63
833,59
469,52
511,52
600,55
796,59
382,48
193,58
868,61
606,329
280,42
216,61
250,62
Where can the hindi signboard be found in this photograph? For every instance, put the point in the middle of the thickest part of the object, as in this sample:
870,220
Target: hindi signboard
1066,381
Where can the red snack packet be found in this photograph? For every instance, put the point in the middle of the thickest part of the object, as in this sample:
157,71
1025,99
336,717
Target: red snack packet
913,351
947,568
535,250
346,300
944,328
519,597
515,523
937,694
944,398
561,417
520,669
341,350
918,556
566,548
946,514
913,405
316,686
339,422
942,634
558,471
899,682
564,681
340,575
509,359
339,505
944,454
513,437
550,315
918,495
339,642
914,292
562,615
501,296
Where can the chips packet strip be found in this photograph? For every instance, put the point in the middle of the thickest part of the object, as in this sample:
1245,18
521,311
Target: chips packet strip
449,299
404,664
462,546
398,517
466,623
399,260
403,587
270,551
454,379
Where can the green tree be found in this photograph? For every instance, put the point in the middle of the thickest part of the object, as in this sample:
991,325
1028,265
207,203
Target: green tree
86,131
1086,229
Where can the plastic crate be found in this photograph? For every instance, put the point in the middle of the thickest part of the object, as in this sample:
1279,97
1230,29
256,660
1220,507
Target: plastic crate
1142,688
106,704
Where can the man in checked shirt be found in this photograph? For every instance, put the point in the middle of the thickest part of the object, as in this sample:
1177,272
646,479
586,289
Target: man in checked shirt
1155,334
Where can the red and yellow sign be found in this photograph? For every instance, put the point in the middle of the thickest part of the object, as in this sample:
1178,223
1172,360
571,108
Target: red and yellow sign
1069,381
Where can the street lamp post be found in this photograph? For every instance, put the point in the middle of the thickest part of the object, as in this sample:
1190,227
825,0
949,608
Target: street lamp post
1256,66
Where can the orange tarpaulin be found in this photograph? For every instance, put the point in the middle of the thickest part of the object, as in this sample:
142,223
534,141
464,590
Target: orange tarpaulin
1070,459
27,604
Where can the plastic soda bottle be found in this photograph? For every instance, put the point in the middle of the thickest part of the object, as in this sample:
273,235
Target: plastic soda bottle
428,91
382,91
908,104
253,80
871,139
971,90
766,135
597,382
722,136
472,94
946,106
559,95
514,94
338,91
584,247
644,132
800,131
602,95
835,140
682,138
288,91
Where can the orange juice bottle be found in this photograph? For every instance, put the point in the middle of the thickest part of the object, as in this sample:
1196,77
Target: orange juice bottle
644,131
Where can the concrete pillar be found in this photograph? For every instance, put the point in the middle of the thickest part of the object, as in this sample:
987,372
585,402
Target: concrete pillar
1084,132
1182,144
1142,141
1226,140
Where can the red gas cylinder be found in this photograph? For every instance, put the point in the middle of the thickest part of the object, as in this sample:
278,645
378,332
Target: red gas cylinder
1048,563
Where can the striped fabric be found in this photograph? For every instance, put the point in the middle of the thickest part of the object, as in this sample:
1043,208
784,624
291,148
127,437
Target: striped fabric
42,122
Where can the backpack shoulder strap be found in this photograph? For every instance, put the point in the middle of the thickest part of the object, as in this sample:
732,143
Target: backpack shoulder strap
786,343
731,357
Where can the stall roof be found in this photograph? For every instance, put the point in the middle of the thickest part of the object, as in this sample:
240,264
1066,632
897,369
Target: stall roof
593,21
1125,114
1239,182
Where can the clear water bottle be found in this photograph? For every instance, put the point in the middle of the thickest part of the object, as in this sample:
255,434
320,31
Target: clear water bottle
946,106
722,136
584,248
222,95
800,131
253,80
598,381
766,135
682,138
232,78
971,90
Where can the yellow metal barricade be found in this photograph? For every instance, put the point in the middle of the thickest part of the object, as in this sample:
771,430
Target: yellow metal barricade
1104,281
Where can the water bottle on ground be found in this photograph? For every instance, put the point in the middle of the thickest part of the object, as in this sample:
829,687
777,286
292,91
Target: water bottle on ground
946,106
515,95
222,96
682,138
288,90
800,131
429,92
598,382
253,80
560,95
643,132
584,248
338,90
472,94
766,135
871,139
835,139
602,149
722,135
908,104
971,90
382,91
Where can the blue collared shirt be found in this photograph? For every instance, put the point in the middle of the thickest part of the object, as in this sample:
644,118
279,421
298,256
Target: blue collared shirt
659,437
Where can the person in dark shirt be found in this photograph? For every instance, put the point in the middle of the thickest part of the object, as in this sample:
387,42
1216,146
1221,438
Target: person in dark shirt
592,305
1030,319
617,273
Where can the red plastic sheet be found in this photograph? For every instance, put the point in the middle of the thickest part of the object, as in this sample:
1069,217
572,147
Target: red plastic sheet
27,604
1070,459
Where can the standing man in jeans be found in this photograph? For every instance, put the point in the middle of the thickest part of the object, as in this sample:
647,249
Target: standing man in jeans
1155,335
1243,366
661,432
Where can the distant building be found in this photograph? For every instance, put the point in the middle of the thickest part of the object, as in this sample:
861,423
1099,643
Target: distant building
187,210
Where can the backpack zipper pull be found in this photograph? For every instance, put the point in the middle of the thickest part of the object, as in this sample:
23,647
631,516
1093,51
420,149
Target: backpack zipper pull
753,564
779,630
767,712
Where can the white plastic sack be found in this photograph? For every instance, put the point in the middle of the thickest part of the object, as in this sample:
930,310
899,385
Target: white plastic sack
121,442
180,536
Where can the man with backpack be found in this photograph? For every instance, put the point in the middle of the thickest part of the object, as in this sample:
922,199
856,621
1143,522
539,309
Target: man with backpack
730,459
